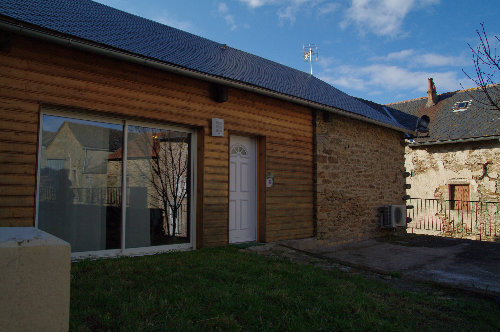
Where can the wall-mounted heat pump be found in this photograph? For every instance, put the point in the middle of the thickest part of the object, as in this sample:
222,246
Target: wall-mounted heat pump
393,216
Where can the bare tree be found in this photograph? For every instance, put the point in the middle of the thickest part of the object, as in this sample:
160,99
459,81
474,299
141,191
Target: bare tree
165,165
487,67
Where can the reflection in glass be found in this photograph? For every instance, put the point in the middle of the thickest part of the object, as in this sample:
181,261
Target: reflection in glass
79,195
158,173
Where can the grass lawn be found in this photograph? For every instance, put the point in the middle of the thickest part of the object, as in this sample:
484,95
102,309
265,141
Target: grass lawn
225,289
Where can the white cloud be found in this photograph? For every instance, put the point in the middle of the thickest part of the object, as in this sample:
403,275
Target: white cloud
381,17
287,10
326,62
230,21
328,8
222,8
288,13
391,79
434,60
400,55
223,11
346,82
293,7
258,3
414,58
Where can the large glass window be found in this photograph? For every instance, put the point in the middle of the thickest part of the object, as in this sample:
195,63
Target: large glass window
80,184
158,176
77,200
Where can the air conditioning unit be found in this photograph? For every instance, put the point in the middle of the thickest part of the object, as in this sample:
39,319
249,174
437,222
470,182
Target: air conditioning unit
393,216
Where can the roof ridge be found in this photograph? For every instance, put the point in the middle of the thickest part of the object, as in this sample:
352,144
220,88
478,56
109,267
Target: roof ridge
405,101
443,94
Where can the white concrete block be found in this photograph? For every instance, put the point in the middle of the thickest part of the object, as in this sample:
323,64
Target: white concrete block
35,280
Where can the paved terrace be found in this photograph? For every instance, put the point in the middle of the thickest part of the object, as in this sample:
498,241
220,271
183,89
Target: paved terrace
406,262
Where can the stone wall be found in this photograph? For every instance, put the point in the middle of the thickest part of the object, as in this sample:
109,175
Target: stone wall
435,167
359,167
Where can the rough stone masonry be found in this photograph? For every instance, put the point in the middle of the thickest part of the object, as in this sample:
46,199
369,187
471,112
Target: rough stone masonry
359,168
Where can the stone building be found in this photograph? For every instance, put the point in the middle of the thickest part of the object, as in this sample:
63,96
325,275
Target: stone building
458,163
359,168
462,148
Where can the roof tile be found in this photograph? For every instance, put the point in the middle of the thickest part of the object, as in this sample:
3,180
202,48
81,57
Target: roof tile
479,120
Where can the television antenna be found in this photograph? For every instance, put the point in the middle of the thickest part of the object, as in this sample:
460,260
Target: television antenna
310,52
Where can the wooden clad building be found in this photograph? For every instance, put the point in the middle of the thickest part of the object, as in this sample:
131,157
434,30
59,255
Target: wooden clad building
249,177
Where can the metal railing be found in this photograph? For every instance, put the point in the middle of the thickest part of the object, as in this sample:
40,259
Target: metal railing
475,220
109,196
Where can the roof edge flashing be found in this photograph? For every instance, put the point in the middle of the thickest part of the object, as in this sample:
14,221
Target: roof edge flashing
459,140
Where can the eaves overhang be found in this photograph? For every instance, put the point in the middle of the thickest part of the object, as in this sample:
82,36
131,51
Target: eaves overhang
89,46
452,141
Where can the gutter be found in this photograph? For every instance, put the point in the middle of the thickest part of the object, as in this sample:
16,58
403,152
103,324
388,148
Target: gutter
460,140
121,55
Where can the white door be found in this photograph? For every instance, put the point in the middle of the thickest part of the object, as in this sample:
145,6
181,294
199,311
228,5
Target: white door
242,189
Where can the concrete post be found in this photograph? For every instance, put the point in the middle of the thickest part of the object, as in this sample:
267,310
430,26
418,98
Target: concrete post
34,280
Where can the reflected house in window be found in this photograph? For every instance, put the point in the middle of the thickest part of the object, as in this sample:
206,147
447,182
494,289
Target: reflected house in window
82,150
81,196
157,175
74,199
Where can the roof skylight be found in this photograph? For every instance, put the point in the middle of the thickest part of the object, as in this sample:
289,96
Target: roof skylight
462,106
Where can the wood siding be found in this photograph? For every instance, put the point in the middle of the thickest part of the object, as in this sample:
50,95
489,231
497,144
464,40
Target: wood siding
34,73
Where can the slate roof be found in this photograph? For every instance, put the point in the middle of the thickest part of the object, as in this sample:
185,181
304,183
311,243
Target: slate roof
140,146
478,121
47,137
398,117
117,30
96,137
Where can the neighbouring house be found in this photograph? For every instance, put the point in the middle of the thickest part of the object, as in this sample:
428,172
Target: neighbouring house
268,152
455,168
157,176
81,149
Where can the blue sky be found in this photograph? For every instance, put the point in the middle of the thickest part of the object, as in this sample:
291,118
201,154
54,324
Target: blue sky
380,50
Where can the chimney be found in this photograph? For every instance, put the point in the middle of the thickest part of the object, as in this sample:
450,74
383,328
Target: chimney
431,94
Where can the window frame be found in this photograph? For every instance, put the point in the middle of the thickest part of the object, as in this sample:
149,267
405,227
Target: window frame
60,160
456,107
124,122
464,205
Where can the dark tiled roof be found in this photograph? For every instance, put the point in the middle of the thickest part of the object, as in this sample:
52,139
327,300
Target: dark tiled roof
96,137
47,137
478,121
143,146
398,117
116,29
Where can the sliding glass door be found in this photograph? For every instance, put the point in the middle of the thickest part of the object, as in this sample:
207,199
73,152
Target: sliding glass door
158,182
107,185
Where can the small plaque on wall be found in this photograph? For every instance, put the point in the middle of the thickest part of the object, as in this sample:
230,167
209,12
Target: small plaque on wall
269,180
218,127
